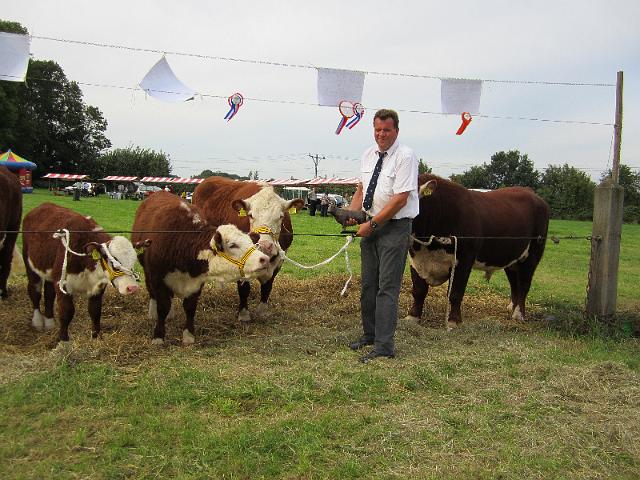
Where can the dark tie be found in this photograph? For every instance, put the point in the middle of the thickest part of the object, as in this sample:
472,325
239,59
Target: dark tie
368,198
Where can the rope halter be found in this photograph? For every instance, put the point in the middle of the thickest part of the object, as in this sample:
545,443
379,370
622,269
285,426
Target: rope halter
238,263
264,230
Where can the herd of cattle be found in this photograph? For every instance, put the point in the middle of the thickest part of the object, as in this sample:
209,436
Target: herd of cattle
239,231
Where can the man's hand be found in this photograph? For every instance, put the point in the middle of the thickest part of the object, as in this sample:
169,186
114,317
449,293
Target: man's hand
364,230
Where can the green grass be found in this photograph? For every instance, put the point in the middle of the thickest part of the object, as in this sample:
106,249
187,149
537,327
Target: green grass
287,399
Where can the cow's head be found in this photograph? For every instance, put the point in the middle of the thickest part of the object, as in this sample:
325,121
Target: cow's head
233,255
117,258
265,210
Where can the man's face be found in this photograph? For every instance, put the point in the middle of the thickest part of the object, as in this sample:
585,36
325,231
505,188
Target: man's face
385,133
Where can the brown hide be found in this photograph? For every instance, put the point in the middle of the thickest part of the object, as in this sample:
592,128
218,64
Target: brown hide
158,219
215,195
10,215
453,210
46,252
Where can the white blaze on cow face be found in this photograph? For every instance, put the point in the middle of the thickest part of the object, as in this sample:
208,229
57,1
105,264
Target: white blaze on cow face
234,243
266,209
122,250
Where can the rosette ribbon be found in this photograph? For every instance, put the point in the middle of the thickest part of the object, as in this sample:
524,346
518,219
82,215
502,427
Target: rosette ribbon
347,111
466,120
235,102
358,110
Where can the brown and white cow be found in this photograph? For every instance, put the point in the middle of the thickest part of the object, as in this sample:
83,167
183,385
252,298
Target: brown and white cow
186,251
10,215
264,212
513,222
103,259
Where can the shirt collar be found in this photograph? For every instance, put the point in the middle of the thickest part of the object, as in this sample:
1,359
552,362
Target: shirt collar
392,149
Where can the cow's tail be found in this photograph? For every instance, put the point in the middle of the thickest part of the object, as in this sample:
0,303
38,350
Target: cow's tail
17,264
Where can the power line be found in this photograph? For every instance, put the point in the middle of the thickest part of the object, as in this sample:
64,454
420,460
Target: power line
294,65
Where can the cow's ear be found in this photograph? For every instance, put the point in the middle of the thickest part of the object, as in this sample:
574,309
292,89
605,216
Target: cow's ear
428,188
296,203
217,241
93,249
240,206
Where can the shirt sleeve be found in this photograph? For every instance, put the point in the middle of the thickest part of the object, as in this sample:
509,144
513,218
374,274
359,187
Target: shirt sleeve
406,173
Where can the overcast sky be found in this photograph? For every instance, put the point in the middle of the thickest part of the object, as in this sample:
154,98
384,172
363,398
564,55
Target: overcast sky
563,41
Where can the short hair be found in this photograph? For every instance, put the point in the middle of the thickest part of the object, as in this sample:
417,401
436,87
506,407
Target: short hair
385,113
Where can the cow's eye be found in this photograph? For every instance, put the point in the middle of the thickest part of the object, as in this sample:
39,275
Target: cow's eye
233,245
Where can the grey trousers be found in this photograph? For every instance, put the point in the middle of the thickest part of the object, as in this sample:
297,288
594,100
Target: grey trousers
384,255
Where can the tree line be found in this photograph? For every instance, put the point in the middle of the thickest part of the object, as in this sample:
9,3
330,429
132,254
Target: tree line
568,190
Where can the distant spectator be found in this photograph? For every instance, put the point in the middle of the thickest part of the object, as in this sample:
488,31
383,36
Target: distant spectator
313,202
324,204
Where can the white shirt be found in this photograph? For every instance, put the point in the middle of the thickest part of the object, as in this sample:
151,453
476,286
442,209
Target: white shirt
399,174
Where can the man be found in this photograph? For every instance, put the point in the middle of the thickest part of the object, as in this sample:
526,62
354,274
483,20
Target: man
313,202
388,194
324,204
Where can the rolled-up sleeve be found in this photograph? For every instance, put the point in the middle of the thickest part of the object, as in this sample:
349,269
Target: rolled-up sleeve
406,172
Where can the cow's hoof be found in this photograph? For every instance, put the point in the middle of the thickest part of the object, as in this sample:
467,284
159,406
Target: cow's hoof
451,326
244,316
63,347
510,307
158,342
262,310
517,315
37,321
188,338
411,318
49,324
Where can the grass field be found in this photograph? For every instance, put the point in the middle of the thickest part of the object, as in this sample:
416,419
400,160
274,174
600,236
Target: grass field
285,398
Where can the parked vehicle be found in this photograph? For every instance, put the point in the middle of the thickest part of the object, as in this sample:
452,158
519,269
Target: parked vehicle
85,188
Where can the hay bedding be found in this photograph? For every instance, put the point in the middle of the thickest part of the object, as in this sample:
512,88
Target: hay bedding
127,330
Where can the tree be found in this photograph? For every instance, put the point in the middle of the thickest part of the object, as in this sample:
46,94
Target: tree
423,168
630,181
506,169
568,191
217,173
132,161
46,120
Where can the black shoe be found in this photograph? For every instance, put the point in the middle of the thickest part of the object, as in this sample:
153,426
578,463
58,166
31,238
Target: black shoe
358,344
373,354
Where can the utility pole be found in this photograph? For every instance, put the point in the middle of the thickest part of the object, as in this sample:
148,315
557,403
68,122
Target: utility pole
316,158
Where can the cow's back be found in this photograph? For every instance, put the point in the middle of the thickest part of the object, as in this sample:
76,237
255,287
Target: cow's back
10,201
42,222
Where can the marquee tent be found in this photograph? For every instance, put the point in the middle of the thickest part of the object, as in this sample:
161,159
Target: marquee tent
118,178
171,180
21,166
65,176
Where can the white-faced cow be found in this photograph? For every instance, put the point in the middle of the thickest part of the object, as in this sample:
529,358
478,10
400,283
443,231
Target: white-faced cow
186,251
10,215
102,260
504,229
261,211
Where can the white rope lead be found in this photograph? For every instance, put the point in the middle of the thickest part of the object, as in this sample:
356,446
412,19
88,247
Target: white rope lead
65,237
350,239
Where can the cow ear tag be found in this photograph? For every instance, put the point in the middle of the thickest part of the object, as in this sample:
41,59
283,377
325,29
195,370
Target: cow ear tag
95,254
242,212
293,210
426,192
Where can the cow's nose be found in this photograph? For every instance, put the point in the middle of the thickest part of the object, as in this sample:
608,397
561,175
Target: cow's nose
132,288
264,260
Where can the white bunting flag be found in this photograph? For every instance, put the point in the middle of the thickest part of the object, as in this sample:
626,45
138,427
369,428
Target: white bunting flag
460,95
14,56
337,85
161,83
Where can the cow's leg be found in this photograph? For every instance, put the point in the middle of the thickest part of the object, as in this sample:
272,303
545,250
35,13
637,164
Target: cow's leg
525,276
419,291
6,253
95,312
456,291
512,276
244,289
34,289
163,306
189,305
66,310
49,303
265,293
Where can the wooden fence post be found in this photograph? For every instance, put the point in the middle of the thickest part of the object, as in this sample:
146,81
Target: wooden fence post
602,288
